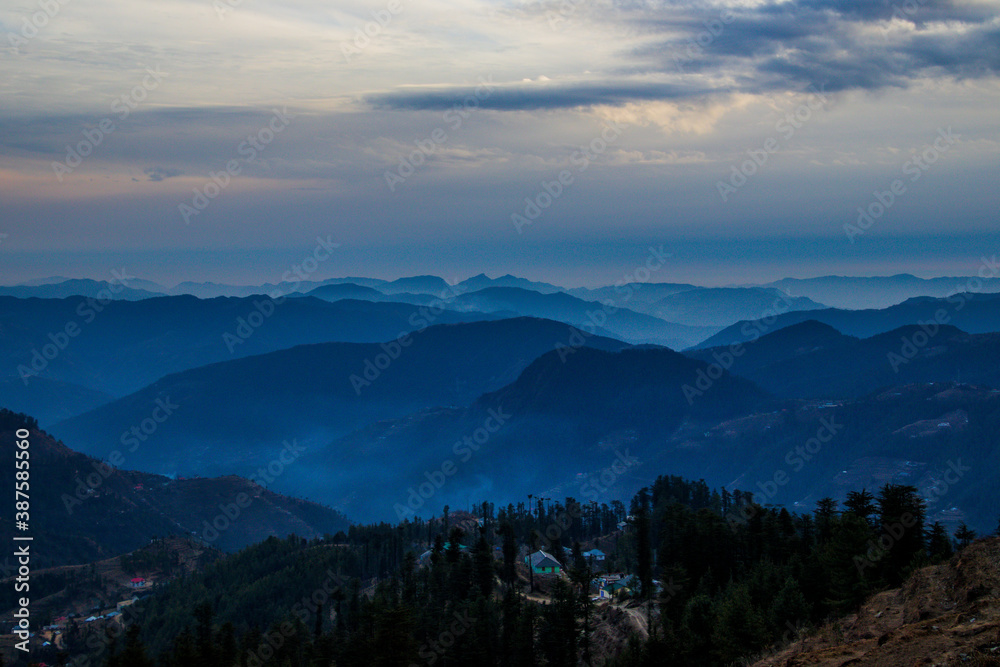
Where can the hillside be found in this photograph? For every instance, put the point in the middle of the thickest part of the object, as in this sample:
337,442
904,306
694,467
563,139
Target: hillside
619,321
347,291
233,416
66,287
566,422
813,360
83,510
974,313
857,292
721,306
49,400
555,429
947,614
121,346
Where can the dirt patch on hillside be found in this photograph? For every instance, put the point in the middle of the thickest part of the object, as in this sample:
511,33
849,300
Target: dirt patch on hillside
947,614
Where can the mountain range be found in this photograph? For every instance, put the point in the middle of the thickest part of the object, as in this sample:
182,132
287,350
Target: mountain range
846,292
233,416
84,510
971,312
814,360
121,346
377,385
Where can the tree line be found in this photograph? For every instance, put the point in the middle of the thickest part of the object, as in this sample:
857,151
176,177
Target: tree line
717,576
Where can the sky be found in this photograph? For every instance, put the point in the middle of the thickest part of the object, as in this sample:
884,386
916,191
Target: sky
560,141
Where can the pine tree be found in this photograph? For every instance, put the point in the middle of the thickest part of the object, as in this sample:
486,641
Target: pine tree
483,560
850,573
644,551
134,653
861,503
534,540
206,648
509,550
826,510
901,518
740,627
790,607
558,636
697,627
938,543
964,535
394,645
228,653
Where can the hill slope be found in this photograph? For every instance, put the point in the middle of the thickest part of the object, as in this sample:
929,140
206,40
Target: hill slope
812,360
97,289
621,322
122,346
883,291
974,313
50,400
947,614
553,431
561,427
721,306
232,417
82,510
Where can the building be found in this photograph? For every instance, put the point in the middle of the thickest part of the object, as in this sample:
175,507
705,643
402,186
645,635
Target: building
614,585
543,563
425,557
595,556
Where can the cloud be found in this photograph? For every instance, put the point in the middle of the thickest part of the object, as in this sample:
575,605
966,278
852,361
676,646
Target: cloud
865,45
688,52
532,96
697,117
161,173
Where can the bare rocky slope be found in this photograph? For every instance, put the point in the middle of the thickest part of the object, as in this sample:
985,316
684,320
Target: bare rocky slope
946,614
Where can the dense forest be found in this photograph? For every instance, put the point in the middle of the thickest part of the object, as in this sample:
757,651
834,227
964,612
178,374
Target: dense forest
717,576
